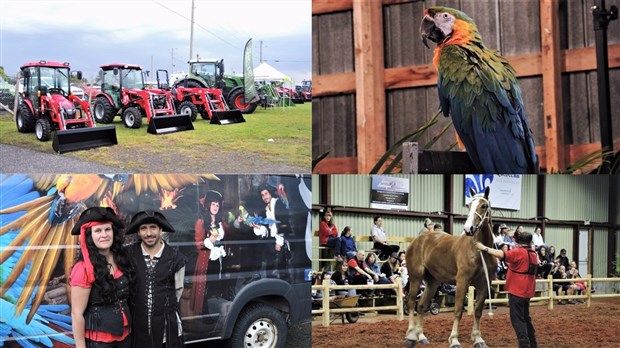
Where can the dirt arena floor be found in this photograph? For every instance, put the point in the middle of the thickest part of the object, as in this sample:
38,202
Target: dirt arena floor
570,325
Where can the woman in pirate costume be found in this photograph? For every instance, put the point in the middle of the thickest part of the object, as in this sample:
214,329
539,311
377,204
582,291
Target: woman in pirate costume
160,270
209,231
101,280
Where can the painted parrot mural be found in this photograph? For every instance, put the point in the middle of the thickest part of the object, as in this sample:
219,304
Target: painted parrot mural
37,213
478,89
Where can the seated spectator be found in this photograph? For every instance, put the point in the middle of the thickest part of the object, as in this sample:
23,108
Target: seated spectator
559,272
551,252
328,235
575,288
537,238
341,277
502,266
371,262
391,268
563,259
326,277
360,273
499,238
545,262
379,239
349,242
428,225
403,271
509,238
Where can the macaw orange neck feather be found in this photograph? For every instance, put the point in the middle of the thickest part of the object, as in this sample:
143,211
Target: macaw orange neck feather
463,33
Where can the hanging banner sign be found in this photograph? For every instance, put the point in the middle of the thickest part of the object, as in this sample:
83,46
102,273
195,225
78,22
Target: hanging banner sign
390,193
505,189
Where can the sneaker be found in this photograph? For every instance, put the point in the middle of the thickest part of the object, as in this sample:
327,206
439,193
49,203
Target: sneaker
339,258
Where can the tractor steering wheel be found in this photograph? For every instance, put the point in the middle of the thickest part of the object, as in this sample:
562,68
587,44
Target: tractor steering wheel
55,90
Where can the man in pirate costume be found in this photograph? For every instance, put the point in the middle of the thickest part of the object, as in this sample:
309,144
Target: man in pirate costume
160,270
275,210
101,280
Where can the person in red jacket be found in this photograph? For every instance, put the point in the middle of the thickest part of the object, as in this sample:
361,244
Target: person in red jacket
328,236
520,284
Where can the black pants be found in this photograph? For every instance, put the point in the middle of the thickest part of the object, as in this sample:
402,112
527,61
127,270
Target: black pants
386,250
521,321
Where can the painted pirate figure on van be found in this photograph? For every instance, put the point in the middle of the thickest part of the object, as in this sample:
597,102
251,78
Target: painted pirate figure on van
160,270
101,280
209,232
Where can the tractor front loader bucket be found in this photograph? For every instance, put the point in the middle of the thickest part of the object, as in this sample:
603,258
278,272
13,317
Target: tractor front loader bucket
84,138
170,124
226,117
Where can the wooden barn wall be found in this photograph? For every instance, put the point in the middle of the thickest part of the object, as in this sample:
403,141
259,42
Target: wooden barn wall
518,33
333,117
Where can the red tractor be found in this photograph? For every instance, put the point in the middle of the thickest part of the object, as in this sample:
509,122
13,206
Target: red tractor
191,100
295,96
124,92
48,105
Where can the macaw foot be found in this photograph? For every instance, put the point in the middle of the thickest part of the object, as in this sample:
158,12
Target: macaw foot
481,345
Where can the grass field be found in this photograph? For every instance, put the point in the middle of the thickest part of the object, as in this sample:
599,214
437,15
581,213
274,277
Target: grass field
227,147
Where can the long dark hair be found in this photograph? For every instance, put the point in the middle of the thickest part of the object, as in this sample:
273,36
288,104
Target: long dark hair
346,229
104,281
206,213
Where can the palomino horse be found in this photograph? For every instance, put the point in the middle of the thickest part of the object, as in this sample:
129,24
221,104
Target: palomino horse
438,257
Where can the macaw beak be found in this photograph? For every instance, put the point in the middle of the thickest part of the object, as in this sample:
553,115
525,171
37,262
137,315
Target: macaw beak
429,31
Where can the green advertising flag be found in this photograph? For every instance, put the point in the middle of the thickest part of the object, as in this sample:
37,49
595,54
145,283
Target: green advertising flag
251,95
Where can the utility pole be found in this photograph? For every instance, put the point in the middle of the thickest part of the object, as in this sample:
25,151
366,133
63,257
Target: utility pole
191,34
261,51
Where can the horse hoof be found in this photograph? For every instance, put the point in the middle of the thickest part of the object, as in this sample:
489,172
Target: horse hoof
481,345
424,341
456,346
409,343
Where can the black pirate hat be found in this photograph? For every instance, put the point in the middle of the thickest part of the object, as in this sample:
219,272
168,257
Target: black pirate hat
102,214
213,196
149,217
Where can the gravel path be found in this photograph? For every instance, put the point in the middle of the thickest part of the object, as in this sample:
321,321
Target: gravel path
15,159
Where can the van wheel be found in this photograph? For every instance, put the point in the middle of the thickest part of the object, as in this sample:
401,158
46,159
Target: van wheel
259,325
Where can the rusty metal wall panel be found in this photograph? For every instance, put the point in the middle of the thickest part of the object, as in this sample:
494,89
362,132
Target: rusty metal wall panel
577,197
334,127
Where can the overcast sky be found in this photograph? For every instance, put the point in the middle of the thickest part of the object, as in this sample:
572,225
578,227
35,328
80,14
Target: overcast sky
156,33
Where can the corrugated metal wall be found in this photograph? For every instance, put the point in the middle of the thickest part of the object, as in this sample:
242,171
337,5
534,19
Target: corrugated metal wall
599,257
528,198
570,197
501,24
316,184
561,237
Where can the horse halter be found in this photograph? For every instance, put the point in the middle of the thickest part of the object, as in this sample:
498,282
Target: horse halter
486,215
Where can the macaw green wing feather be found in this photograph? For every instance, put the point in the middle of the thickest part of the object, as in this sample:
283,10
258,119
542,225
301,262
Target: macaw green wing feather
478,89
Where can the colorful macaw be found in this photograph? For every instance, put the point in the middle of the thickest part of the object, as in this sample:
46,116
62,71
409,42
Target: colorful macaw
478,88
282,195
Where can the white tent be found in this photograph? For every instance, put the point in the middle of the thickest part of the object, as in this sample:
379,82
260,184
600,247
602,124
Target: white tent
265,72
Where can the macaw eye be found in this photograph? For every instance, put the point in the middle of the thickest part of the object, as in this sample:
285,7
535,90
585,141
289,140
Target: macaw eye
445,15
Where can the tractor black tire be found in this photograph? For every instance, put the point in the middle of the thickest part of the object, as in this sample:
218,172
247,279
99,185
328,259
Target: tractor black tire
132,117
103,110
259,321
235,101
24,119
43,130
187,107
190,84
